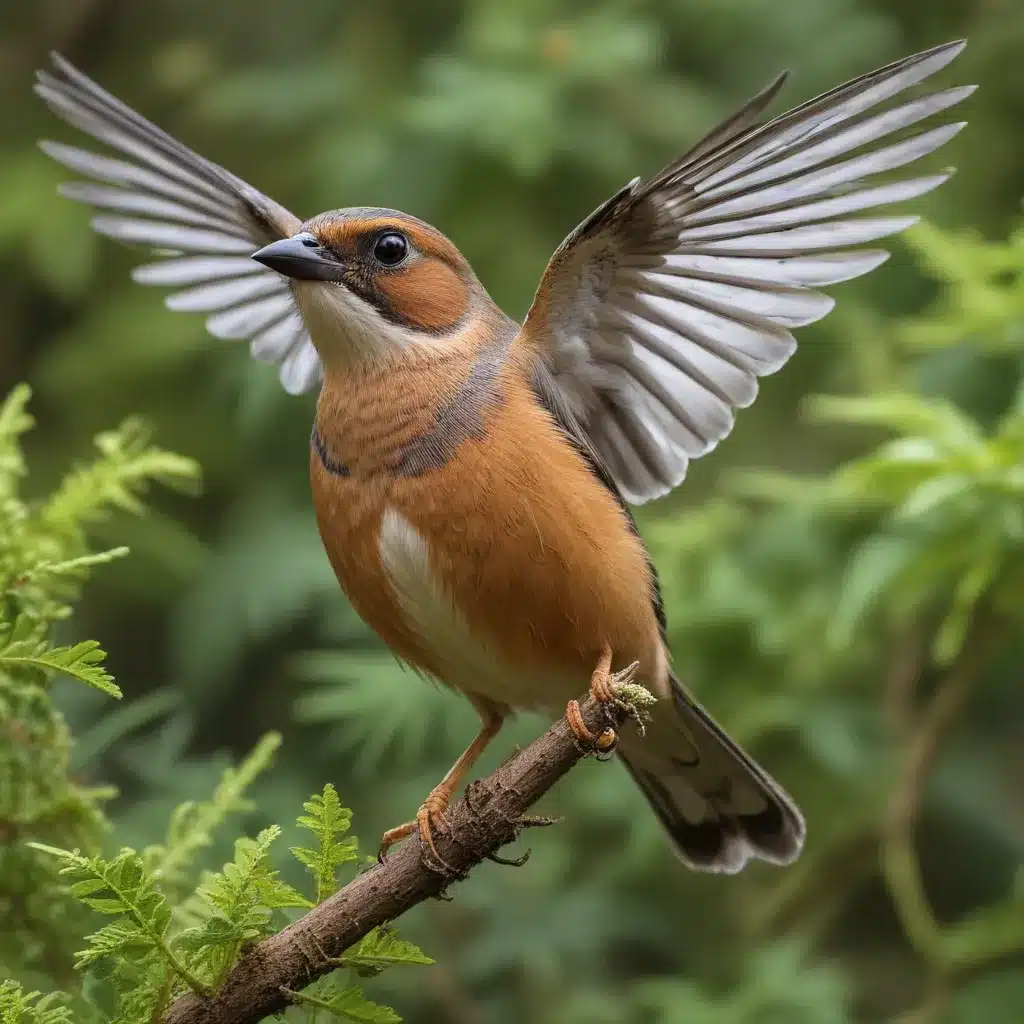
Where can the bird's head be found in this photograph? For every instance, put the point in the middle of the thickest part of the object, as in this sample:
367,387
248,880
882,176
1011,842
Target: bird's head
370,282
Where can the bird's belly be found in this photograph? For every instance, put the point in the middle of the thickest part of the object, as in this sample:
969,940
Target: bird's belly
502,572
466,657
506,602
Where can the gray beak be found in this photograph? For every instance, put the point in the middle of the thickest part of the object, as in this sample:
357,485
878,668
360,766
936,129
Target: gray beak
300,257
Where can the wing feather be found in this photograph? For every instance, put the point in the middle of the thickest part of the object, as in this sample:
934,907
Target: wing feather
200,218
658,314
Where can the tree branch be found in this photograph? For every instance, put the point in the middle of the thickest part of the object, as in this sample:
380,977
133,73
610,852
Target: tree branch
487,818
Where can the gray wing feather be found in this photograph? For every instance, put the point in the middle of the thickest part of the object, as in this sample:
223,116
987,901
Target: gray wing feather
659,313
203,221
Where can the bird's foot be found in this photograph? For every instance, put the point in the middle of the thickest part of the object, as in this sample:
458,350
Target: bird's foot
603,685
429,817
587,742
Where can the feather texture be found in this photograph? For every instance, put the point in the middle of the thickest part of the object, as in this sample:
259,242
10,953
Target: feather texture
658,314
201,218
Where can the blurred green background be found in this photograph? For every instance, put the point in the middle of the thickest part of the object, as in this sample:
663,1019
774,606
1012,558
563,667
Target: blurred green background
505,122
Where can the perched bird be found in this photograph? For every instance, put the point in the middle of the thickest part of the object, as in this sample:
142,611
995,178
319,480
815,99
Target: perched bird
472,476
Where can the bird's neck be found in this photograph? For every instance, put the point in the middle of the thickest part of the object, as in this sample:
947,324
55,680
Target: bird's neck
407,410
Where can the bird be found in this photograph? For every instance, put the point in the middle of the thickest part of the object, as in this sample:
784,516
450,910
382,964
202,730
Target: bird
473,477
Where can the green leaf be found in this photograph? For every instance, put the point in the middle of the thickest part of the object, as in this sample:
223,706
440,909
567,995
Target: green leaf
72,567
328,821
126,465
83,661
238,900
874,568
380,949
122,887
346,1003
933,418
192,824
14,421
969,589
20,1007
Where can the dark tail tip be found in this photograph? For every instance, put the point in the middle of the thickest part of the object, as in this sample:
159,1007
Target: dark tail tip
725,843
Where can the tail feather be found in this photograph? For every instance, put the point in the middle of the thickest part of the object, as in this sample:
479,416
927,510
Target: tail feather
719,806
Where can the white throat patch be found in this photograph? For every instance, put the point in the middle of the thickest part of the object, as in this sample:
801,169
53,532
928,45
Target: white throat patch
345,329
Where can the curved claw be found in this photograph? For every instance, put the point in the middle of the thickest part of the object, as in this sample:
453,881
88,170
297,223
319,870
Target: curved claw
427,819
588,742
392,836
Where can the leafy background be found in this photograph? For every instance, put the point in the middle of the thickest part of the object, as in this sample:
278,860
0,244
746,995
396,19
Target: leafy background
816,604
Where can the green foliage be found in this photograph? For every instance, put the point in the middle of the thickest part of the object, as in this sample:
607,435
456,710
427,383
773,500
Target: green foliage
23,646
20,1007
381,949
145,957
347,1003
44,560
192,825
133,952
166,934
328,821
982,300
778,986
239,902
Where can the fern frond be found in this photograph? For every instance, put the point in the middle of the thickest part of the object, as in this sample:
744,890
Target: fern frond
192,824
328,821
348,1003
239,900
23,646
14,421
20,1007
380,949
126,465
122,887
72,568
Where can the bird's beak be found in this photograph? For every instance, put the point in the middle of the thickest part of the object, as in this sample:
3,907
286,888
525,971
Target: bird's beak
300,257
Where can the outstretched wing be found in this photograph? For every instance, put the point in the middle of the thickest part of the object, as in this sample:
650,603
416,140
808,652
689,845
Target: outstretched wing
200,219
659,312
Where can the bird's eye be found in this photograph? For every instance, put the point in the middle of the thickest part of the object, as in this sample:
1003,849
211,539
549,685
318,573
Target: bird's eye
390,249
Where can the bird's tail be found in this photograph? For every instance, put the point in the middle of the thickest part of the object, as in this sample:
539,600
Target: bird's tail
718,805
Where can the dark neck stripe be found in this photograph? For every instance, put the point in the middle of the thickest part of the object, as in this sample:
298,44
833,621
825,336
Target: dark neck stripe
331,465
460,418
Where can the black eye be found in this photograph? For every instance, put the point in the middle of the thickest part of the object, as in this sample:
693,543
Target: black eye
390,249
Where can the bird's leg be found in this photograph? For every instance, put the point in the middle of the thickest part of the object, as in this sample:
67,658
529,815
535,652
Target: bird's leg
439,797
601,691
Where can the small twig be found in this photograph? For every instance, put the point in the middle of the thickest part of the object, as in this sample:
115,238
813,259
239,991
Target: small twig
932,1010
269,976
899,858
902,681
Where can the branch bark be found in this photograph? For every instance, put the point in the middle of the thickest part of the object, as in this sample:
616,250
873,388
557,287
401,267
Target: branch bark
487,818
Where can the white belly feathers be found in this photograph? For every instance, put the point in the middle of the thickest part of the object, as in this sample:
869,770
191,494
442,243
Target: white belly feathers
469,663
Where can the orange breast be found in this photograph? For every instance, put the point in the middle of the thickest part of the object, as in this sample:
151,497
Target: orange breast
535,555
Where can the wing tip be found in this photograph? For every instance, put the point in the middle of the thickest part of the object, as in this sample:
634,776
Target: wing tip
954,46
774,87
946,52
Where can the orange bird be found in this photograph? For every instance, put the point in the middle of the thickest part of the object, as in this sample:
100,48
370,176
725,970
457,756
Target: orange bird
472,476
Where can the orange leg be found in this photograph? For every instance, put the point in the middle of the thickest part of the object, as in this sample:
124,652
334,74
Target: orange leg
601,691
440,796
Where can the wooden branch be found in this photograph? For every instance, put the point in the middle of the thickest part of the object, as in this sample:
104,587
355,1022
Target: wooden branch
489,817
